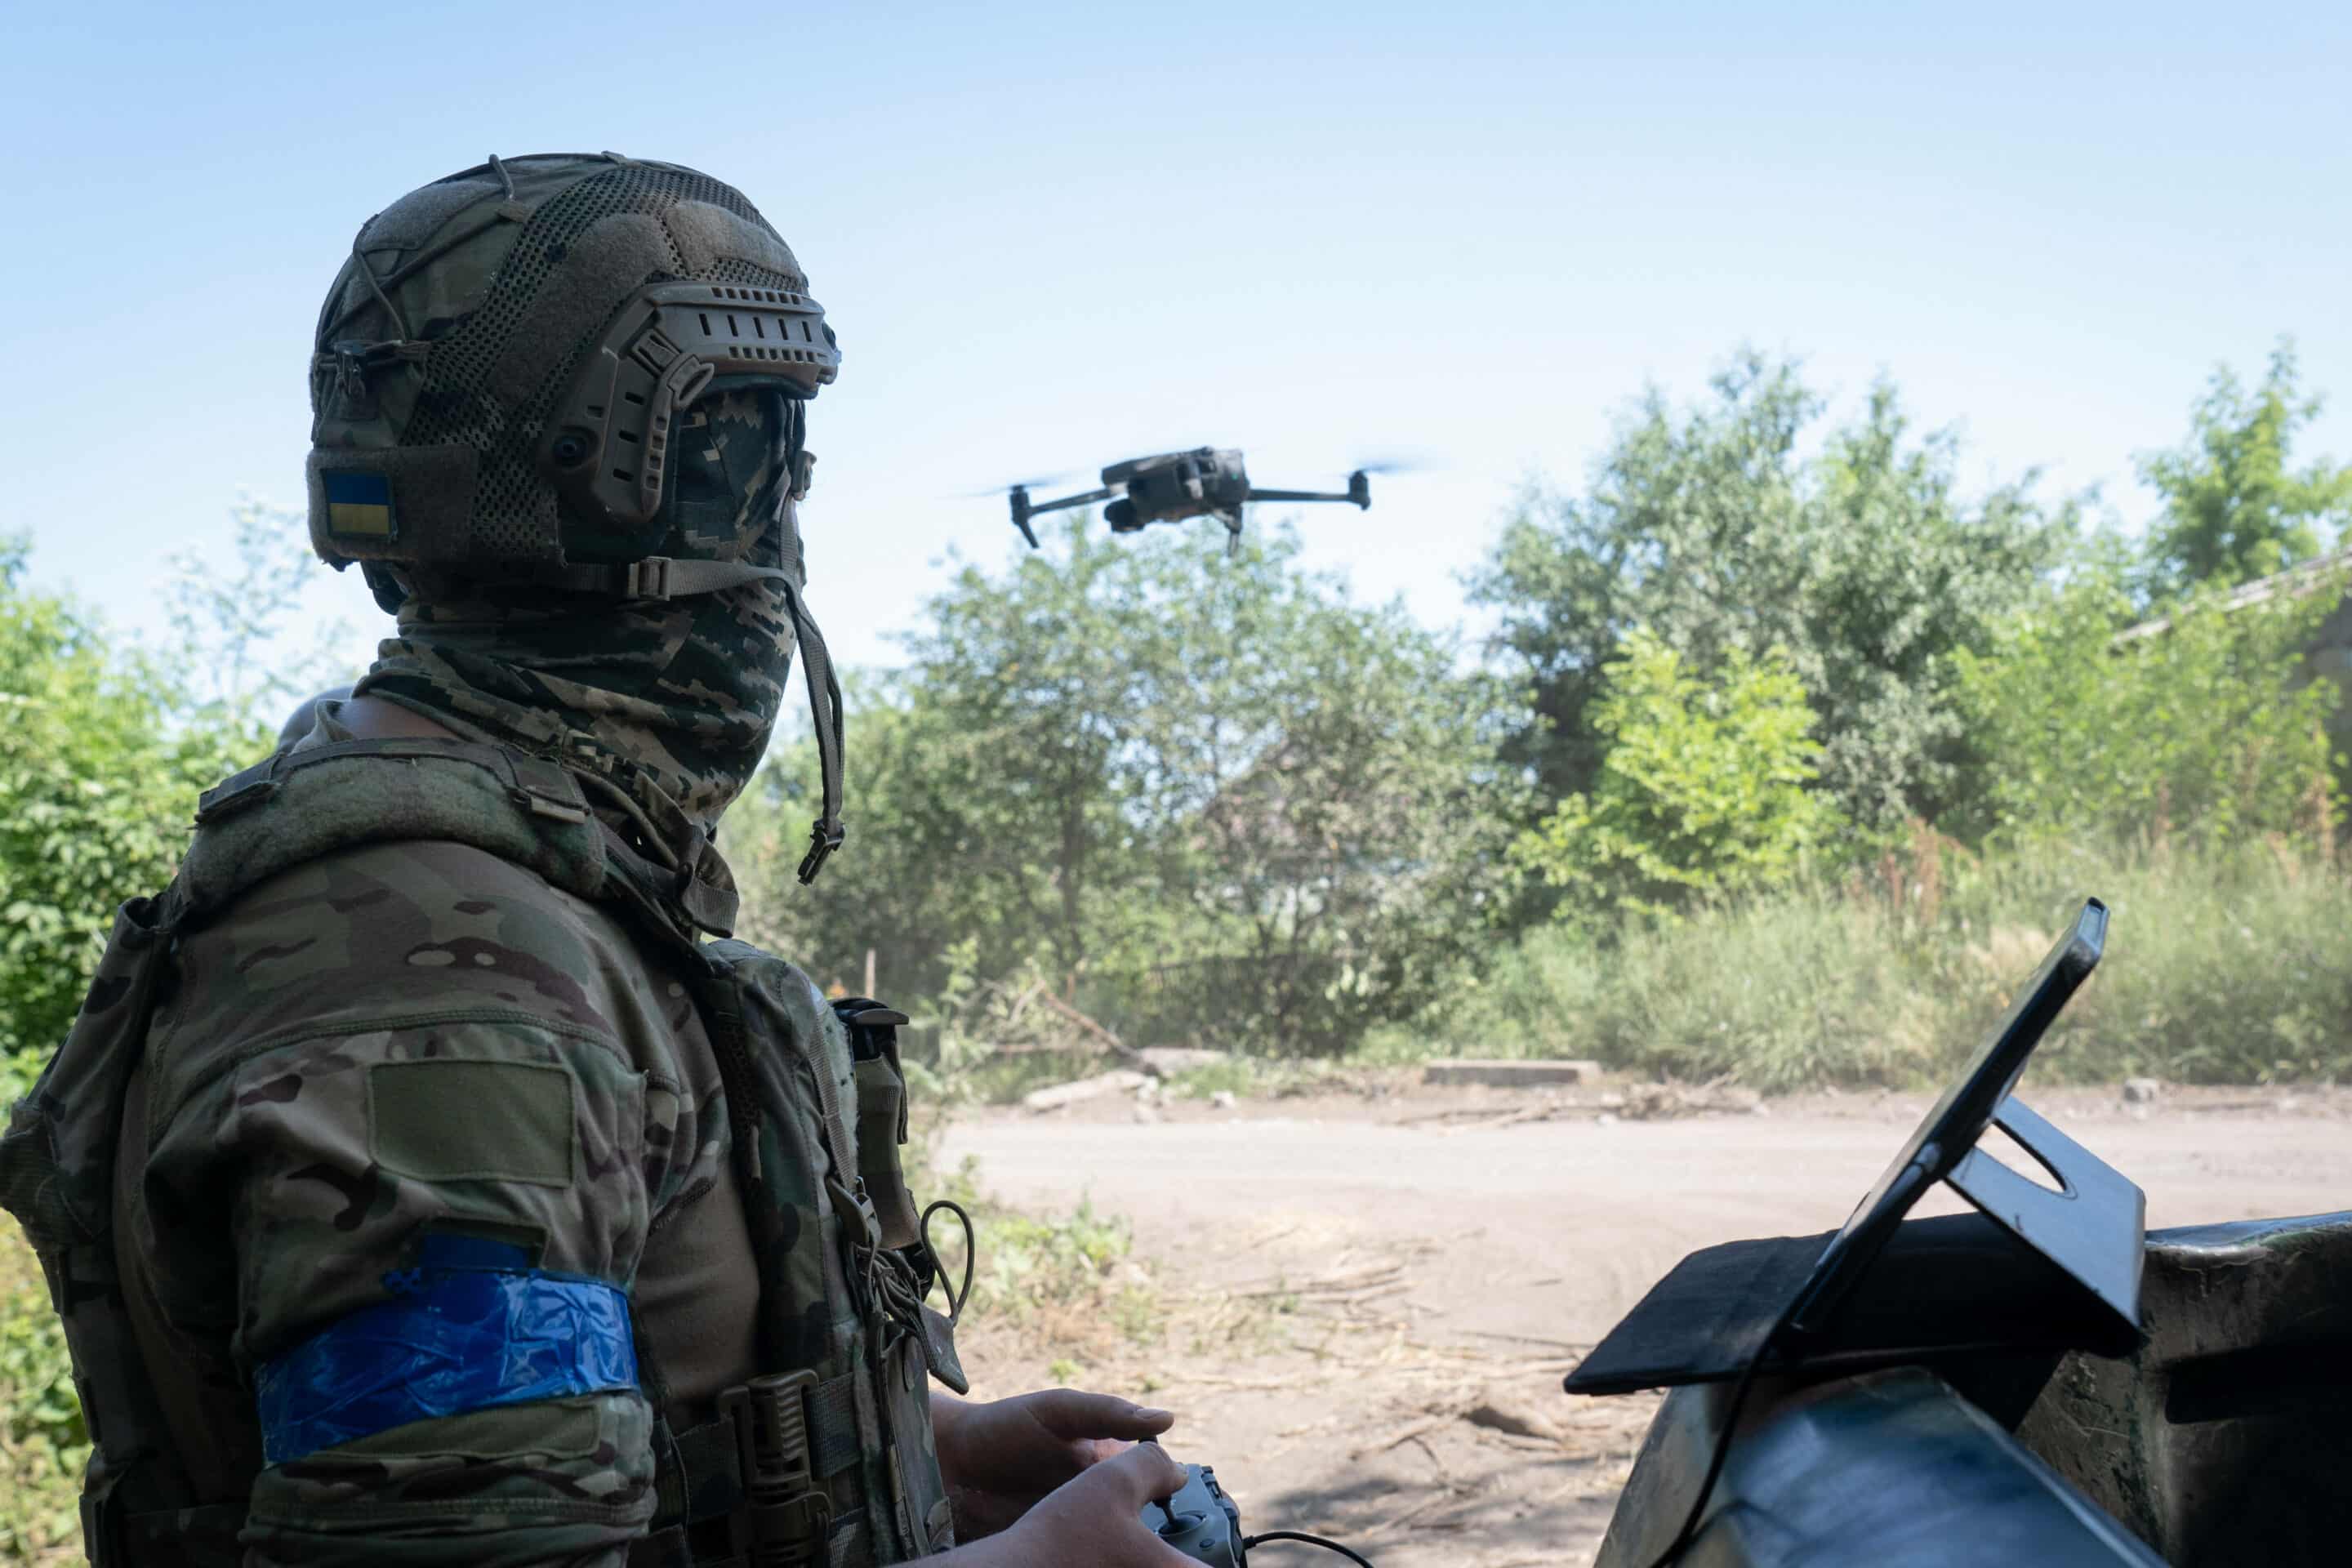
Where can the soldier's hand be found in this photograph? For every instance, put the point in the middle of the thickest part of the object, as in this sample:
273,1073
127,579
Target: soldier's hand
1094,1521
1001,1459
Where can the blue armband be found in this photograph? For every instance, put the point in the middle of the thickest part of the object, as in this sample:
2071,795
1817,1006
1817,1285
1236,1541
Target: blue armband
452,1339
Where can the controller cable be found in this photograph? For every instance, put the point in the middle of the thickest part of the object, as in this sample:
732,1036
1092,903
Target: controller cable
1689,1531
1739,1390
1310,1540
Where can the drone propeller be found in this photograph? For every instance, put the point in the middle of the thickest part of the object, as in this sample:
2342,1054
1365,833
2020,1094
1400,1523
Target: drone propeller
1393,464
1038,482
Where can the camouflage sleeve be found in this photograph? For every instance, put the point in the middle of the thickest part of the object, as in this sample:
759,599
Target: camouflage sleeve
431,1226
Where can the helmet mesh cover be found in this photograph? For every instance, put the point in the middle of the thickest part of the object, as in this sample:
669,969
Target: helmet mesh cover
514,513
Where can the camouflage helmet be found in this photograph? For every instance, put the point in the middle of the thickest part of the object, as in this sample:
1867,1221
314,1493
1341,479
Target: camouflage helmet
504,361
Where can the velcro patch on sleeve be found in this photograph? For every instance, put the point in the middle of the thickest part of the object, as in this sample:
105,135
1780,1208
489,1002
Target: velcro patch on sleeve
440,1120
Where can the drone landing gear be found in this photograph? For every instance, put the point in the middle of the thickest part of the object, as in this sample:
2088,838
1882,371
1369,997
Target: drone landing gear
1172,486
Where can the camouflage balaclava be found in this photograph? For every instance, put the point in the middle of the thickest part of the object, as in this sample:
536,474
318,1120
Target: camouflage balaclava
559,403
673,700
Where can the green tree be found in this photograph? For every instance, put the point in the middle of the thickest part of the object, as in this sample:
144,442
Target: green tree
1711,528
1158,772
97,785
2205,724
1704,788
2233,508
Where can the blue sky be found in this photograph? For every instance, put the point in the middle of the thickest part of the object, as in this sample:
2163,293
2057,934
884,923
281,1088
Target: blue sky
1054,235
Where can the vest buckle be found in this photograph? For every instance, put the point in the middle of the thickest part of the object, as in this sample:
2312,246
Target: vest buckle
784,1516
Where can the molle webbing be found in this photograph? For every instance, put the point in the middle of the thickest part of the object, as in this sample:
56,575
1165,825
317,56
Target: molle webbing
298,807
57,1176
705,1481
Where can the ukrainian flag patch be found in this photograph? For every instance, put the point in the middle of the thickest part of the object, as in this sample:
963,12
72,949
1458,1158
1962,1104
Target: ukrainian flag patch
359,504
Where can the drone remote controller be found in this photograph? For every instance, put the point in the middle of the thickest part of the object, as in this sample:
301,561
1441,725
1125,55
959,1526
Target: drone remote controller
1199,1520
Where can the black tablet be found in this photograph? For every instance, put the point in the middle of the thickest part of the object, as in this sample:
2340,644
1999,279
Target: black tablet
1947,1134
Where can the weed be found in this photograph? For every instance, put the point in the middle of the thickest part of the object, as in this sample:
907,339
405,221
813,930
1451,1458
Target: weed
2224,966
1065,1280
1238,1076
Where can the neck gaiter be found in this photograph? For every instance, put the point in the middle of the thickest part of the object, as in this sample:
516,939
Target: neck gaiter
669,701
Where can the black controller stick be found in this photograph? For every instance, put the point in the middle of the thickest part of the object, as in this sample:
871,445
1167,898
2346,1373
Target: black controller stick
1200,1522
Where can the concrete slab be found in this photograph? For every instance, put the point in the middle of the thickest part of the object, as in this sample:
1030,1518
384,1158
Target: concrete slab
1501,1074
1056,1096
1183,1058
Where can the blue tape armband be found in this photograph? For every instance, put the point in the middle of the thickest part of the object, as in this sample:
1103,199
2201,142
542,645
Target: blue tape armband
455,1339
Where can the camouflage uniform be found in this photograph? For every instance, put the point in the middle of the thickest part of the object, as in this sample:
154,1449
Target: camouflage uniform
420,1184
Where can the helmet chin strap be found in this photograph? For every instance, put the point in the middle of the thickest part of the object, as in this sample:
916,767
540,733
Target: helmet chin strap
824,712
664,577
824,689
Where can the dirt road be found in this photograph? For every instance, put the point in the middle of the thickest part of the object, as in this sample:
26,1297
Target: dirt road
1440,1256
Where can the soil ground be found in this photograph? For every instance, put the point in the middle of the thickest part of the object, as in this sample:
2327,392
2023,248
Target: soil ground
1374,1294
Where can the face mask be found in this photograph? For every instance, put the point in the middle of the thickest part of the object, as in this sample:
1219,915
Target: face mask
672,701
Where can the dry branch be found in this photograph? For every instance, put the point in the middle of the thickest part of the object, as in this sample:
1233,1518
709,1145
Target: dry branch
1118,1046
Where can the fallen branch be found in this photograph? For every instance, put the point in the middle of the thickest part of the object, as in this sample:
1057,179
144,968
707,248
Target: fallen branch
1446,1417
1118,1046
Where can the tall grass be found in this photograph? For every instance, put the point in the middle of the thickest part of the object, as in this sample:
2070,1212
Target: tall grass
2222,966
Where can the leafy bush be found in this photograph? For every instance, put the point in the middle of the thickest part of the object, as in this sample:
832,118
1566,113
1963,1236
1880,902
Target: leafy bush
1702,791
1745,521
97,785
2233,508
43,1442
101,756
2224,964
1222,799
2201,723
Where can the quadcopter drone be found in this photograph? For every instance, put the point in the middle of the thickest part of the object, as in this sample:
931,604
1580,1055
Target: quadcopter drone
1207,481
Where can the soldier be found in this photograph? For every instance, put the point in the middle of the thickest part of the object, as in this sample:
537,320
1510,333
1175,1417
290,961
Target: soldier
428,1178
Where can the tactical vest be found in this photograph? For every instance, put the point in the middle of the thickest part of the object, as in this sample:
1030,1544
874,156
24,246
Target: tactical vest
825,1461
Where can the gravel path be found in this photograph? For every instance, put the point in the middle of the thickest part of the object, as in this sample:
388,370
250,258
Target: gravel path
1466,1250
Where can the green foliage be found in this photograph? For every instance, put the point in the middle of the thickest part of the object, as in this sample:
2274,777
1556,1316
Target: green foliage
1712,529
97,782
43,1442
2233,508
1058,1275
2225,964
102,752
1128,750
1234,1075
1702,791
2201,725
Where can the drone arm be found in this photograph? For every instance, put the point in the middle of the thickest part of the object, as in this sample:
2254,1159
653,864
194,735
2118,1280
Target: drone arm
1089,498
1257,494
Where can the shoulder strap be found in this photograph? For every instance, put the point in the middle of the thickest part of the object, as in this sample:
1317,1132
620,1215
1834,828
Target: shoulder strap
320,799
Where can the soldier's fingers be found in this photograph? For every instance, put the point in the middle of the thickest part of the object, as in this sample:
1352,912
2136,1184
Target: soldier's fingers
1069,1412
1137,1476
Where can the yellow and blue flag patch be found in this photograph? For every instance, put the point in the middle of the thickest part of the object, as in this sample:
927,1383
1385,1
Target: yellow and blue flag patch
360,504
